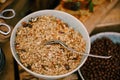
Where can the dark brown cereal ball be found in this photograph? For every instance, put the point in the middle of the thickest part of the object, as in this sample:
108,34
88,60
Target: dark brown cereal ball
103,69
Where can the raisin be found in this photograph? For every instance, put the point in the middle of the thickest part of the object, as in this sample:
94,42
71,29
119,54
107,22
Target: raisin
67,67
24,24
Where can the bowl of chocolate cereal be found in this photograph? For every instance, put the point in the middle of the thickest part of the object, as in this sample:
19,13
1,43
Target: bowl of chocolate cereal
28,46
104,43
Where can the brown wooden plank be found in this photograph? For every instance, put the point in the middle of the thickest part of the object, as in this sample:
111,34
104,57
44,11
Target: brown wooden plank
99,12
98,15
4,5
8,72
113,17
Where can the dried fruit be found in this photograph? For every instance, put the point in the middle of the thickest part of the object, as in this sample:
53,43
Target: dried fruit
24,24
67,67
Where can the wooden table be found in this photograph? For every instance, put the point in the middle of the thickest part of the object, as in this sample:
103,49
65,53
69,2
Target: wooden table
20,5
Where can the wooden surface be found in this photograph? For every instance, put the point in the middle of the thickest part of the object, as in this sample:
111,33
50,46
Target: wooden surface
113,17
4,5
94,18
99,14
20,7
8,72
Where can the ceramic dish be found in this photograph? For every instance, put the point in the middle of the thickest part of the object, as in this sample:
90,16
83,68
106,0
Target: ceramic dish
114,36
70,20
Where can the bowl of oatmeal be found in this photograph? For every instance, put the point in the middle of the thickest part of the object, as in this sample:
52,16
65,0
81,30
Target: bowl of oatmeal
53,61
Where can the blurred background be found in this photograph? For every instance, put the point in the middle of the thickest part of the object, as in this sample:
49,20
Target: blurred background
25,7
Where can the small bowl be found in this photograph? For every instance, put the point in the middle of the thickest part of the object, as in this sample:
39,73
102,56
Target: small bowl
114,36
67,18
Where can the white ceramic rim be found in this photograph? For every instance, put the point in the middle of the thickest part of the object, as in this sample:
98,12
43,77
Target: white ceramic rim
40,75
94,37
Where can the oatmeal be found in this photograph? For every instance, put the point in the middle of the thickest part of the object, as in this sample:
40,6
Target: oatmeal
52,59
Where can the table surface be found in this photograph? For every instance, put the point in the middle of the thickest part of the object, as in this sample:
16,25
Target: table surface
111,22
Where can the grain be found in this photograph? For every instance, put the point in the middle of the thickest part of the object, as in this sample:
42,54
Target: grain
48,59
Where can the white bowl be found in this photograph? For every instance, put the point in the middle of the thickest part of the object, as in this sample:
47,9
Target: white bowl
114,36
70,20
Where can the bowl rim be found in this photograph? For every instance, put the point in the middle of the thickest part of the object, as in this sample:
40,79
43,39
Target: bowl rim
37,74
94,37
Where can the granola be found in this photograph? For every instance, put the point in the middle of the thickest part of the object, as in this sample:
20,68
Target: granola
48,59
